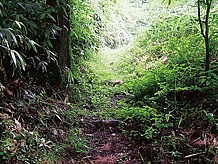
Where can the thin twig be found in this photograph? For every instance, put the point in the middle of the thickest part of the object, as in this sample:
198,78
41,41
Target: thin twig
193,155
199,19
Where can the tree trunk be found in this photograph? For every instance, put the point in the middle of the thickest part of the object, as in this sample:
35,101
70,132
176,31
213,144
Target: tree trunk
205,33
207,44
61,44
64,38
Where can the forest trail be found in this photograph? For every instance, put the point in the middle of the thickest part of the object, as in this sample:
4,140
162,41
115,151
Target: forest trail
107,144
136,90
108,139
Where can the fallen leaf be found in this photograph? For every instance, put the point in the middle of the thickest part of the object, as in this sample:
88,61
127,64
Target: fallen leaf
10,93
18,125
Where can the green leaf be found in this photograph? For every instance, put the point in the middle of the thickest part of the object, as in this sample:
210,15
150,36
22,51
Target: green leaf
43,66
57,2
51,55
22,62
42,16
48,55
49,43
50,16
65,11
33,44
180,121
12,53
18,23
12,35
208,83
167,116
8,35
203,80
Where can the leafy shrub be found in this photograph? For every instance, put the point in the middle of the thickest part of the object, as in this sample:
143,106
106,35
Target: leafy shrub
176,39
141,122
144,87
35,125
84,24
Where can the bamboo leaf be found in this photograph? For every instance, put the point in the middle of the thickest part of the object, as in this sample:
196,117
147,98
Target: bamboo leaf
18,24
23,7
8,33
48,55
12,53
57,2
49,43
50,16
44,66
42,16
14,38
51,55
22,61
34,44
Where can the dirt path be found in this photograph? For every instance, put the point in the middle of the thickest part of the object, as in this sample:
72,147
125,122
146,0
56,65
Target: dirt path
107,144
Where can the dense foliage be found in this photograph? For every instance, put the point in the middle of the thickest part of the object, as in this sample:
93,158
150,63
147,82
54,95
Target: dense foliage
169,71
154,91
29,30
29,35
26,34
167,101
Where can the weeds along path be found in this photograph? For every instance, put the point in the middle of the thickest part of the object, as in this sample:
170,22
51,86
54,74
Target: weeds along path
110,138
106,142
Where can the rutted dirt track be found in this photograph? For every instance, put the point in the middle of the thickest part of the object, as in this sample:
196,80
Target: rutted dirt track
107,145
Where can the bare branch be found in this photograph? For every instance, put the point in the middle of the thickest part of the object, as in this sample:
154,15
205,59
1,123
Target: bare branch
199,19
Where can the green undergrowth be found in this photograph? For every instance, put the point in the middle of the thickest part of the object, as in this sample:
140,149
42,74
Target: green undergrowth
166,69
156,86
37,128
38,124
164,98
165,90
